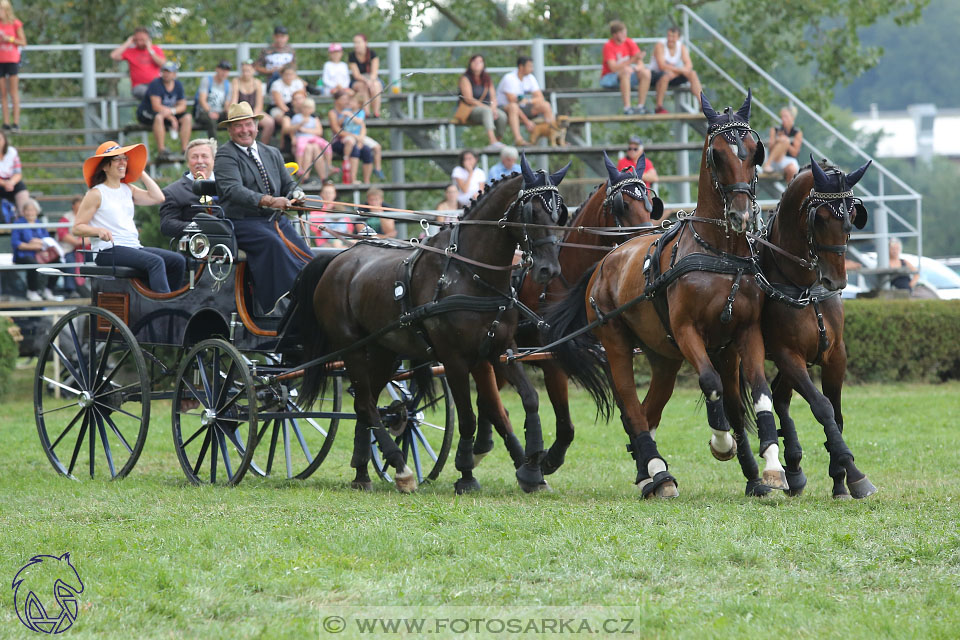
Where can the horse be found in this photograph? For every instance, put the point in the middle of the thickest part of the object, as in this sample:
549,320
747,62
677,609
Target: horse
621,201
688,294
449,300
802,320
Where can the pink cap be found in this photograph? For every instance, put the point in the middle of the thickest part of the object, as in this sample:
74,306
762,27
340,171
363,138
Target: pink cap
335,47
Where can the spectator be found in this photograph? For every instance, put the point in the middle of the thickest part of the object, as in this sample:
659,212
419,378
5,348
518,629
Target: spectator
106,213
275,57
27,243
309,146
507,165
623,68
11,174
385,227
336,73
211,99
634,151
327,219
364,70
179,201
449,203
468,177
347,140
904,281
12,40
478,102
70,244
784,145
671,66
361,131
521,97
164,106
143,58
248,88
282,90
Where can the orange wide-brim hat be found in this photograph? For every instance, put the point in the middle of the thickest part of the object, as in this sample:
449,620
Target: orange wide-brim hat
136,160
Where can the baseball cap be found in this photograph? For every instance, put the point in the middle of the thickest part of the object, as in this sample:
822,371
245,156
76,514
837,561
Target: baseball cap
280,29
335,47
224,64
170,65
637,140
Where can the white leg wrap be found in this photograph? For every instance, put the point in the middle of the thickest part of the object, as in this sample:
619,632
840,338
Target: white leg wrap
653,434
721,441
655,466
772,458
763,403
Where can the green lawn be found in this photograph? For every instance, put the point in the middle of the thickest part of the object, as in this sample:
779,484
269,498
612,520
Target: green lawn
161,558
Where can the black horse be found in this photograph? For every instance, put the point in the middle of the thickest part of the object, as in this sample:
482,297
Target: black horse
380,302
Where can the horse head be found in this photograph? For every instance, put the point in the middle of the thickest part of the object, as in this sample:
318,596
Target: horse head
538,205
641,207
831,214
732,153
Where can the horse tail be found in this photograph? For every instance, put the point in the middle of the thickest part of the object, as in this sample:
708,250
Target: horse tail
582,358
423,384
746,402
304,323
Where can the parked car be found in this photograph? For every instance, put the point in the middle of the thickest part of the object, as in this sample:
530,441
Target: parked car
934,275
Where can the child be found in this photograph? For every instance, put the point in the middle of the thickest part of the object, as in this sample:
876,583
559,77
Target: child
336,74
361,133
309,145
327,218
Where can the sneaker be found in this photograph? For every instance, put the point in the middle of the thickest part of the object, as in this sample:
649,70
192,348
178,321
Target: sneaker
378,173
661,110
48,295
15,128
496,146
639,110
6,127
33,296
174,134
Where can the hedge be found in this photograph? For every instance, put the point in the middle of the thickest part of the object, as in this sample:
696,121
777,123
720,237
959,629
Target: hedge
902,340
8,354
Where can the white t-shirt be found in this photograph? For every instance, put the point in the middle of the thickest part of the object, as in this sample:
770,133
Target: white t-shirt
10,163
511,83
474,180
675,58
335,74
116,215
287,90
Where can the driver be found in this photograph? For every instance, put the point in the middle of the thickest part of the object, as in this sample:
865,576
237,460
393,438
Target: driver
253,184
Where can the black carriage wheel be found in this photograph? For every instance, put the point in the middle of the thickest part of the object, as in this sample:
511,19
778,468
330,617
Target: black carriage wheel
425,437
295,440
99,400
214,413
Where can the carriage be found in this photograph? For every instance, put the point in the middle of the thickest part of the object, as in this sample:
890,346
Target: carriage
227,371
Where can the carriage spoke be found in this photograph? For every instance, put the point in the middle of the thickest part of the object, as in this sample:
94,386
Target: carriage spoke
228,381
229,403
273,444
106,444
426,445
117,409
286,449
224,452
68,365
69,426
193,437
303,442
213,455
116,430
416,454
316,425
76,449
80,359
92,356
203,376
66,406
431,425
203,452
61,385
101,367
196,394
113,372
428,405
93,443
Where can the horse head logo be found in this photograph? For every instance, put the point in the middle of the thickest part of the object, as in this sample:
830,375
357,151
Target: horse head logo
33,586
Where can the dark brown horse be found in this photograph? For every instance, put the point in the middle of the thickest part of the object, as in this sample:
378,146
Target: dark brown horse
381,303
803,318
622,201
686,295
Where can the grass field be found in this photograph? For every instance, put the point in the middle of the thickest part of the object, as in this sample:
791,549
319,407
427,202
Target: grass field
161,558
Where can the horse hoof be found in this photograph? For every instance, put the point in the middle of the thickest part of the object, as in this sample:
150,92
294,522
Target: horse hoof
530,477
405,480
775,479
666,490
861,488
477,457
797,481
842,496
462,486
362,485
756,489
723,456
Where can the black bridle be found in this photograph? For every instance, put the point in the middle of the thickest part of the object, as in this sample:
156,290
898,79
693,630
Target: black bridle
733,133
552,201
634,187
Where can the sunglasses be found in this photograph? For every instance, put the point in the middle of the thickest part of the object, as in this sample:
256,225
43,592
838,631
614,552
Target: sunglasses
633,148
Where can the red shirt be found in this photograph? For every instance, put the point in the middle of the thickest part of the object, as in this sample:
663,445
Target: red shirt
617,51
9,52
142,67
625,163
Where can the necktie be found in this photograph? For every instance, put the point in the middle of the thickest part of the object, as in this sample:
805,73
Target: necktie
263,172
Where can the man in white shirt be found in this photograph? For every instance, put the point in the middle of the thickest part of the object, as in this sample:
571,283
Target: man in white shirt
521,97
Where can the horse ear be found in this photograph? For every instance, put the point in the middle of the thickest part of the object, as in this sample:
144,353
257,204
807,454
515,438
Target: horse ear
706,107
744,110
612,172
641,165
528,178
820,181
557,178
854,178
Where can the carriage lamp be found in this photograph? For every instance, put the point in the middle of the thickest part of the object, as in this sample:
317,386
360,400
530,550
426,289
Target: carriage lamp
199,246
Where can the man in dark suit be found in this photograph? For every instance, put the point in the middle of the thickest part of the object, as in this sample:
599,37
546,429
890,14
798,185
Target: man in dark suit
253,185
179,207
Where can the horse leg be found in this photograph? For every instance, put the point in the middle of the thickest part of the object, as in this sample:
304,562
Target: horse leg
792,451
484,442
653,479
729,363
459,381
662,383
752,358
529,471
529,476
556,382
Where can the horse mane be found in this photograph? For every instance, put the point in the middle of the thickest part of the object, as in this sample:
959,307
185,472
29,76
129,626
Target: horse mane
470,210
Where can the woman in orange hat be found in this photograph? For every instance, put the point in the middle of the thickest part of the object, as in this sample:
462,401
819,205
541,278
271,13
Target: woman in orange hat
106,214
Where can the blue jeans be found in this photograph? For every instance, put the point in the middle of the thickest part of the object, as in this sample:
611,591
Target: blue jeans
164,268
612,80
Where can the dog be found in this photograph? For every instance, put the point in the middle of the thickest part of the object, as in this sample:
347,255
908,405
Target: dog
555,134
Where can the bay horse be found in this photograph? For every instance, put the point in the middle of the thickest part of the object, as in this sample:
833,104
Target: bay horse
688,295
802,318
448,301
623,200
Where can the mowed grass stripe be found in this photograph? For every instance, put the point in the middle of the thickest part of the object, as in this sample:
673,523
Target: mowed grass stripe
161,558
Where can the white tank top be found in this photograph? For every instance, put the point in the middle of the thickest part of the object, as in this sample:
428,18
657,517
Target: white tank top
676,59
116,215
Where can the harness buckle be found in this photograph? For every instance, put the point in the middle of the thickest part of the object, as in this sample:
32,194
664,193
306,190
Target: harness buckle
449,251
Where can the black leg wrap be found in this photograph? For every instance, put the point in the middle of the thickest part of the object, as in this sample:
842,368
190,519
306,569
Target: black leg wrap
643,449
792,453
484,440
554,458
515,449
748,464
716,417
797,481
658,480
464,457
533,435
766,430
361,448
756,489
